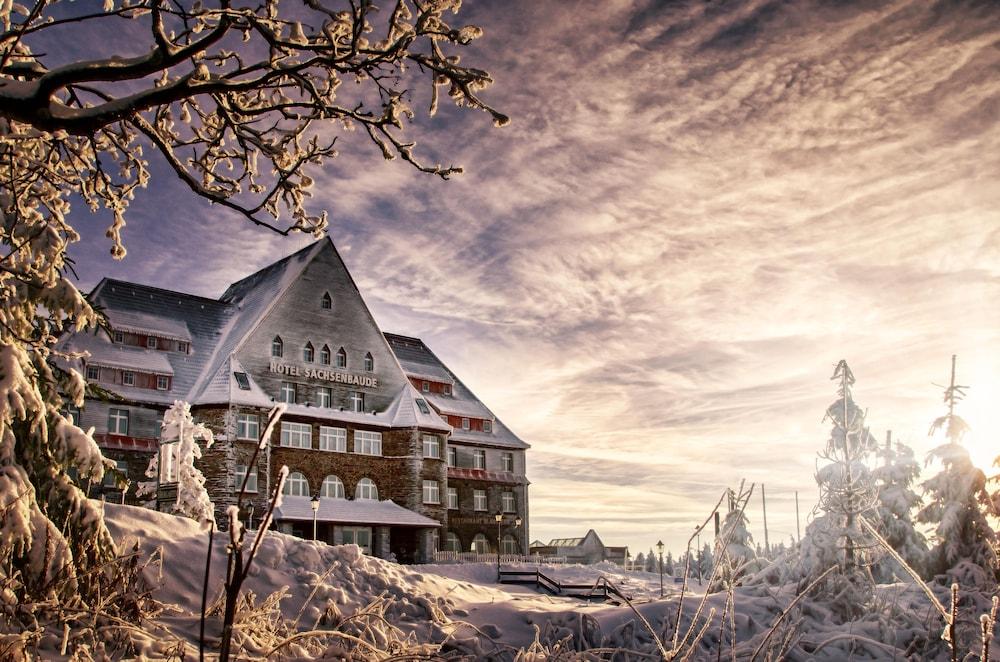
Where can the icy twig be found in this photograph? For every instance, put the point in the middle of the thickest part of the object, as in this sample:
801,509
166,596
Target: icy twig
950,631
700,635
788,609
986,623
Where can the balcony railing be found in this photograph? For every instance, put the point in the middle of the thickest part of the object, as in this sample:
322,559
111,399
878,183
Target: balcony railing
473,557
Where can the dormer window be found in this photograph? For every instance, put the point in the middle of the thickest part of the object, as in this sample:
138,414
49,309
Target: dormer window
308,353
242,380
425,387
487,425
422,406
151,342
162,383
182,347
369,363
128,378
341,358
93,372
324,355
119,337
277,347
446,389
326,303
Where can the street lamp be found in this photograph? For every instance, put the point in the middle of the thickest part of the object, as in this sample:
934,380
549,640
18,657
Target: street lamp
659,548
517,525
314,504
499,519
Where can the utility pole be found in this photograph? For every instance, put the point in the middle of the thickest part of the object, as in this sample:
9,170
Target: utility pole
763,499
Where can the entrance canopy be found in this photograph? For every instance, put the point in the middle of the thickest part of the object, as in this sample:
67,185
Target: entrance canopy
351,511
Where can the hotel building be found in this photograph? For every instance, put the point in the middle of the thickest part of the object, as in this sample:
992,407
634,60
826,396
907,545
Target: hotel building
403,457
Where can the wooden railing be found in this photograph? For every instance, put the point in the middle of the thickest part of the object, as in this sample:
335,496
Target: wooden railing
474,557
602,589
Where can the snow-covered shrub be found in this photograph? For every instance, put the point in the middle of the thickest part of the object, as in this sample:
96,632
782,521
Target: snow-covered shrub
894,477
180,434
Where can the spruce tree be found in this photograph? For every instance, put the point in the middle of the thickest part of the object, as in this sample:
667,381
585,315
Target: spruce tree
956,496
894,476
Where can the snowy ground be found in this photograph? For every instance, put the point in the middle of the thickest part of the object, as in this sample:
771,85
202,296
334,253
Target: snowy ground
462,605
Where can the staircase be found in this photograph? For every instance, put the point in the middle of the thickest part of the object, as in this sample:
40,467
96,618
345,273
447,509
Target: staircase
602,589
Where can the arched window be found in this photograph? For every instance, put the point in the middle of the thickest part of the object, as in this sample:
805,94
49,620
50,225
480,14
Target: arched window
324,355
369,363
327,302
296,485
508,544
366,490
452,543
480,545
332,488
277,347
308,353
341,358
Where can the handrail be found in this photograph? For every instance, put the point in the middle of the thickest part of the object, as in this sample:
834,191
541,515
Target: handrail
602,588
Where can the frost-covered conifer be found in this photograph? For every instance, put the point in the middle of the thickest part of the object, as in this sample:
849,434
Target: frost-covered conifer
180,430
956,497
668,563
894,476
733,546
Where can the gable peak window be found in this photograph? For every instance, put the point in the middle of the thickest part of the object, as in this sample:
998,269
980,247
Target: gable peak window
369,363
119,337
326,303
308,353
341,358
324,355
277,347
151,342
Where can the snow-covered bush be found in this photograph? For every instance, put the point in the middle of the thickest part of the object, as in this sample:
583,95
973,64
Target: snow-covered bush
894,476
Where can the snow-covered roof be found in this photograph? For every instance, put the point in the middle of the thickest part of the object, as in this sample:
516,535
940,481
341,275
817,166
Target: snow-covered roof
405,411
417,359
106,353
423,371
565,542
351,511
149,325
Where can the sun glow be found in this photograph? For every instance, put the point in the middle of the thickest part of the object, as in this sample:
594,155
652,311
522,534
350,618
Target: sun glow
981,410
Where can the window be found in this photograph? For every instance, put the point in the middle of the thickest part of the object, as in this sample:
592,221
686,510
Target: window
277,347
446,389
242,380
332,488
182,347
119,337
507,461
296,435
369,362
508,544
479,459
422,406
324,397
453,498
360,536
241,473
341,358
507,503
479,545
93,372
479,500
367,442
465,424
487,425
128,378
151,342
74,414
117,421
452,456
425,387
357,401
308,353
452,543
432,446
432,492
118,476
247,426
162,383
296,485
332,439
366,490
324,355
287,393
326,303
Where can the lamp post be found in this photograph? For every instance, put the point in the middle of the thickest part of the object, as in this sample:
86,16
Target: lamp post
314,504
659,548
698,534
499,519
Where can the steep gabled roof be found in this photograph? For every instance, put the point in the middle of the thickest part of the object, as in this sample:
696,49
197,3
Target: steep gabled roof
419,362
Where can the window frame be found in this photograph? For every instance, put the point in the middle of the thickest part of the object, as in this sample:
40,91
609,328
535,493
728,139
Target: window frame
308,353
128,377
480,544
431,492
324,397
507,461
243,420
251,482
277,348
508,502
118,415
478,495
341,358
369,362
466,423
293,482
119,337
94,372
286,388
367,443
329,433
453,502
242,380
425,387
479,459
326,302
339,484
357,400
295,435
432,443
452,456
369,488
151,342
162,379
324,355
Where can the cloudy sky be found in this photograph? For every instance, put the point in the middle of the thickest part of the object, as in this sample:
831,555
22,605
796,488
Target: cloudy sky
699,208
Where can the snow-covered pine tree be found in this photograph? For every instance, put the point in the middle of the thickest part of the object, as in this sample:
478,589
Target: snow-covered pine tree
733,550
640,562
847,491
956,498
668,563
180,430
894,477
651,562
